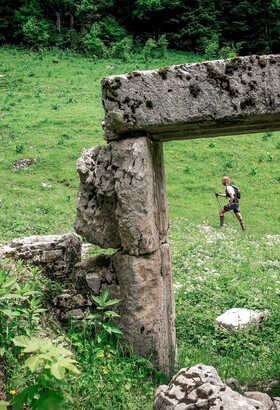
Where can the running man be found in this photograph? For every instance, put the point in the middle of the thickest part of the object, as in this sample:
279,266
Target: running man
233,203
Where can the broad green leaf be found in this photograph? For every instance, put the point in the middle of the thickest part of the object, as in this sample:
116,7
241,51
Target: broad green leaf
116,330
19,400
106,295
96,299
4,405
110,313
93,316
71,368
10,296
33,363
57,371
9,282
49,400
32,344
2,351
101,338
112,302
10,313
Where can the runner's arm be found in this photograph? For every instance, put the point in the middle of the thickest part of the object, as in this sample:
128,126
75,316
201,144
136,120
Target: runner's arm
231,199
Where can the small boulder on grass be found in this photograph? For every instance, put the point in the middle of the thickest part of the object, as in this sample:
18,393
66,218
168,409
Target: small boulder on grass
240,318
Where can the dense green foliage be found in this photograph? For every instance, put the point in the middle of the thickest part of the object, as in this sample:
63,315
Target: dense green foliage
50,109
98,27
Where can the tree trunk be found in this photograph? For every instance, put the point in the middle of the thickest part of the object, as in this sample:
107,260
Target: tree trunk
71,21
58,22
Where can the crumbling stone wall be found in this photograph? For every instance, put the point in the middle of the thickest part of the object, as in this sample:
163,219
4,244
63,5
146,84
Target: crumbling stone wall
122,200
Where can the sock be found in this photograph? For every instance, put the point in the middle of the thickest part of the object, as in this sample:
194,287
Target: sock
242,225
222,221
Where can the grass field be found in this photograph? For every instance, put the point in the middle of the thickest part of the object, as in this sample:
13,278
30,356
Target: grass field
50,109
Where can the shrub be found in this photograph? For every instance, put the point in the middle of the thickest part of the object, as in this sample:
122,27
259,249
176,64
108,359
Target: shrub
122,49
162,45
211,47
111,31
148,48
93,44
36,33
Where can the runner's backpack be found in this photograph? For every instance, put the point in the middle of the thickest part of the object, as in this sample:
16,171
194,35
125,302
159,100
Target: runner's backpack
237,193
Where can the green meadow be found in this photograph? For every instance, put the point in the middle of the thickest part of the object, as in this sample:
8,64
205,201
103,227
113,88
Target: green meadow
50,109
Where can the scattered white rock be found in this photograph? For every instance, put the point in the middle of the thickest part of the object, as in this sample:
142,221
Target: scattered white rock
239,318
46,185
24,163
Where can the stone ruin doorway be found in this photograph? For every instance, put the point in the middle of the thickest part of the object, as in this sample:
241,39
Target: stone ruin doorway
122,200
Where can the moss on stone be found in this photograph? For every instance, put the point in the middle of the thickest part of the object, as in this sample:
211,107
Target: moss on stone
133,74
262,62
163,72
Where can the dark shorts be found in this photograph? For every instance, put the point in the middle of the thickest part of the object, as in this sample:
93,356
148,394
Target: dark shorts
234,207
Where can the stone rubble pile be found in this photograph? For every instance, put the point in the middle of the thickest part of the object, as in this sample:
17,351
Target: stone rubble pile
200,387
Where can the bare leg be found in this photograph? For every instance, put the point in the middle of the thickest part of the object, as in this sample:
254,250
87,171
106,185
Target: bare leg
222,216
239,217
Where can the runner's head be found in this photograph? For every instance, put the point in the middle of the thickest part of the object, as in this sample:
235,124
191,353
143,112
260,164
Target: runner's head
225,180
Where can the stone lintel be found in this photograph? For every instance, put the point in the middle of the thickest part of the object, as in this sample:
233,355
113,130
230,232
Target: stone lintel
208,99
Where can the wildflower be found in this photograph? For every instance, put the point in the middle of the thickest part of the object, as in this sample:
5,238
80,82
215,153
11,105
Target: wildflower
12,392
105,371
109,355
20,355
101,355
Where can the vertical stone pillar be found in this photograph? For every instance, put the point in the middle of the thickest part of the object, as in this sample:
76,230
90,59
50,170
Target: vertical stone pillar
122,202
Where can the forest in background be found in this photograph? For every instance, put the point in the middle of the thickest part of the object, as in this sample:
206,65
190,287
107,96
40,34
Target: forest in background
119,27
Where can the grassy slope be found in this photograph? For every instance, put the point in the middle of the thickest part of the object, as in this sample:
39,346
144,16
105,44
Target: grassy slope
52,110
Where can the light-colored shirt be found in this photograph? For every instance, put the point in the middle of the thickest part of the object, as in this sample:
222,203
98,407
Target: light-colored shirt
230,190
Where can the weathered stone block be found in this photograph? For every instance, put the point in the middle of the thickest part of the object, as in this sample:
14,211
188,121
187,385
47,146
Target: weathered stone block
54,253
213,98
147,304
122,200
97,199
